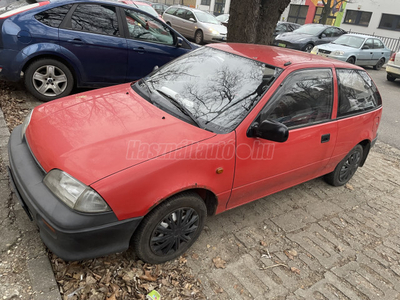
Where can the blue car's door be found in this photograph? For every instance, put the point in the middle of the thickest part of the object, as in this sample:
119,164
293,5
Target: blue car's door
92,34
150,43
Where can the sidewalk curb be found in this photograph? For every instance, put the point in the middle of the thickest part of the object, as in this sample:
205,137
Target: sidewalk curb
38,267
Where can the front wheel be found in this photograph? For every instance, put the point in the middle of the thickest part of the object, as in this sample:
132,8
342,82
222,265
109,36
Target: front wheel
48,79
170,228
345,170
308,48
379,64
351,60
390,77
198,37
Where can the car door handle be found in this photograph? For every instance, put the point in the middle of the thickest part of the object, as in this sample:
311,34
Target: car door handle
325,138
76,41
140,50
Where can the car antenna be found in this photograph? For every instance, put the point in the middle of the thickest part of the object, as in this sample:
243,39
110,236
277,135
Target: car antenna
288,63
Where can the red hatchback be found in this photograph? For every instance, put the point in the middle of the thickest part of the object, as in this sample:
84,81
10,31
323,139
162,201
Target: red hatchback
226,124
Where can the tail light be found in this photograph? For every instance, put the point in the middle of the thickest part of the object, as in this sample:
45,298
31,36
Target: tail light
392,58
22,9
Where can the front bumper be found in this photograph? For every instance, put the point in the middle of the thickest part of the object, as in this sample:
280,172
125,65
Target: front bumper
214,38
69,234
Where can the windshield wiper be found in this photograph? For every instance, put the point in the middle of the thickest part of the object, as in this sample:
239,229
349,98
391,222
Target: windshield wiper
146,84
182,108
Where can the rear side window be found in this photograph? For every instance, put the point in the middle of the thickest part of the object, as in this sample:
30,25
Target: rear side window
53,17
305,98
357,92
93,18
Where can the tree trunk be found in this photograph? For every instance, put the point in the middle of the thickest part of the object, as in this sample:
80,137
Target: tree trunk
254,21
326,11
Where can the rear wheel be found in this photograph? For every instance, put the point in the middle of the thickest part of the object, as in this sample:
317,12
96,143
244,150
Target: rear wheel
170,228
379,64
390,77
345,170
351,60
308,48
198,37
48,79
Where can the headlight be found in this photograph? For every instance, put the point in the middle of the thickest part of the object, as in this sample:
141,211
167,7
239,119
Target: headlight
26,123
213,31
314,50
337,53
74,193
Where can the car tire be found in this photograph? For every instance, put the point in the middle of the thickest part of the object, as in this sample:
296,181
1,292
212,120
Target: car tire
351,60
379,64
161,237
198,37
345,170
48,79
390,77
308,48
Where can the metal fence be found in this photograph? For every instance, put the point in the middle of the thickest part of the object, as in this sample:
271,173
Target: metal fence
392,43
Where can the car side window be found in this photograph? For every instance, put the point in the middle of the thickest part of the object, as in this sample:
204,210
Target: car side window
180,13
369,43
336,32
189,15
357,92
305,97
53,17
146,28
378,44
94,18
171,11
328,32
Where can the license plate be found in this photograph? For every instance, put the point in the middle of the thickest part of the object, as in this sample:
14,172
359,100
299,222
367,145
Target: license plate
282,45
224,38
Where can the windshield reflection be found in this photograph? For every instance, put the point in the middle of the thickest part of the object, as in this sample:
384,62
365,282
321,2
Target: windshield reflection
217,88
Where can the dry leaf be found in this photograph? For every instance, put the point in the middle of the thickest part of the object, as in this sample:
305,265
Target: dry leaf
147,276
264,244
295,270
349,186
288,255
292,252
195,256
219,263
112,297
219,290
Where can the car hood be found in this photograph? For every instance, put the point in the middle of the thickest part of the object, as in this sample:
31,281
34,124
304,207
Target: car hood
334,47
95,134
218,27
294,37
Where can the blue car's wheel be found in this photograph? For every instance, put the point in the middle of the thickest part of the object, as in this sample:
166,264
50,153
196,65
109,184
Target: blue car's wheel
48,79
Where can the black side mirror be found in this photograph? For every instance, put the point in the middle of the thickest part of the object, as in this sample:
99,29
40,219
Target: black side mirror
269,130
322,35
365,47
179,42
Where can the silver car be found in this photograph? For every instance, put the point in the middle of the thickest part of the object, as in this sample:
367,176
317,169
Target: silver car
195,24
362,50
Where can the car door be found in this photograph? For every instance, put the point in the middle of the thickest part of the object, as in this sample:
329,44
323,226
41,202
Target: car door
150,43
178,23
92,34
304,103
190,23
367,52
378,52
329,35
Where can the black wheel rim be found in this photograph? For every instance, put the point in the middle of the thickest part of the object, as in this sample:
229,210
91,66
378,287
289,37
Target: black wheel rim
349,167
174,231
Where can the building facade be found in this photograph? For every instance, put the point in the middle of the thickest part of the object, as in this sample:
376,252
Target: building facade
216,7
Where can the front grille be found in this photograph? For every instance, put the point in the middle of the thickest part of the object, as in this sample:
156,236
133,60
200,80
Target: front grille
324,51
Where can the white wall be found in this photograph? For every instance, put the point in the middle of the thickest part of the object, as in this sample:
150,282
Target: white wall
285,13
377,7
211,7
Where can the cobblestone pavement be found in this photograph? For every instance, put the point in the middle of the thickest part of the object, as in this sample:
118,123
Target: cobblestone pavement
313,241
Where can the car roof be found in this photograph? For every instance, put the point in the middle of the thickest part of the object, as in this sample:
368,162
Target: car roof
188,8
278,57
363,36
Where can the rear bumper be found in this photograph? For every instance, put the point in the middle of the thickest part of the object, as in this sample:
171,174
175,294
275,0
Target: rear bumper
69,234
9,70
393,70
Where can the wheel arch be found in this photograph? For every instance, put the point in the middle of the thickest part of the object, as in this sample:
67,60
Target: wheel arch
366,145
352,56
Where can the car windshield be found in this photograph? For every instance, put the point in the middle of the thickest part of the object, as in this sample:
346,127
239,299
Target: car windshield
309,29
350,41
206,18
214,89
223,18
147,9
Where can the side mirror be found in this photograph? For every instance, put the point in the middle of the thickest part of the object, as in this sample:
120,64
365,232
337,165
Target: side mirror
179,42
323,35
365,47
269,130
192,20
155,68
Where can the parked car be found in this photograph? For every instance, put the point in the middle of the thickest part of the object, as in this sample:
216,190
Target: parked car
393,67
224,19
283,27
195,24
362,50
308,36
214,129
59,44
160,8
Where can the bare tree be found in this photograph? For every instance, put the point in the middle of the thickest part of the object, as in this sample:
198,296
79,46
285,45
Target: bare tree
254,21
330,6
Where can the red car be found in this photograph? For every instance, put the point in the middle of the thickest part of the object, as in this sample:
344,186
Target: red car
144,163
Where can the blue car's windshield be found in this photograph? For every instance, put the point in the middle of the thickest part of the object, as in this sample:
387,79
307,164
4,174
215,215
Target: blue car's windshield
350,41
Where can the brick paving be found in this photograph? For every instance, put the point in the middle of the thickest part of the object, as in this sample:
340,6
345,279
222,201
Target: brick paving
345,240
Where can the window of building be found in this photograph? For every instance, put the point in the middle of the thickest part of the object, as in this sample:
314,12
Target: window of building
297,13
318,15
205,2
357,17
391,22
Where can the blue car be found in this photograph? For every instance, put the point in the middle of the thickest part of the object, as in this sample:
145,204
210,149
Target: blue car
58,44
